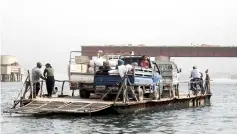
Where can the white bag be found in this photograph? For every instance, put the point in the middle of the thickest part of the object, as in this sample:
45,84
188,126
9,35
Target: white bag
97,62
113,62
84,68
91,70
113,72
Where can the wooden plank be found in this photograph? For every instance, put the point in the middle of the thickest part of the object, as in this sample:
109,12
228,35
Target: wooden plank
75,105
73,99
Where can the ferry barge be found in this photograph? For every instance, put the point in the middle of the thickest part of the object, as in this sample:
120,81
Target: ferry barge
125,90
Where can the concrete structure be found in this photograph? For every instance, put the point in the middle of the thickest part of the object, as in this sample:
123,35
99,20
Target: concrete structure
10,69
170,51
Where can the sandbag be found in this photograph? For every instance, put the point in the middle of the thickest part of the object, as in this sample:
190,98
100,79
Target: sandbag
124,69
78,68
84,68
82,59
91,70
113,72
106,63
91,63
97,62
113,62
75,68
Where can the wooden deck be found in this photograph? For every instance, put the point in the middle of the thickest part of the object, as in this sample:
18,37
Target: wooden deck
60,106
78,105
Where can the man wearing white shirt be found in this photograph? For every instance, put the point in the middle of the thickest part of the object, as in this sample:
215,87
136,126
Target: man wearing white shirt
36,75
196,75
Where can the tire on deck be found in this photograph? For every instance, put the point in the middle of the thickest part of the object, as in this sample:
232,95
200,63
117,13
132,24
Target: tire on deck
139,93
84,94
154,95
109,97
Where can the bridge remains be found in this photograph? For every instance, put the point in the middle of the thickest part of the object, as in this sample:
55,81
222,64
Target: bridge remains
170,51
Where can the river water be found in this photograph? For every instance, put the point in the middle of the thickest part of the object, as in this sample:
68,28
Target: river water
220,117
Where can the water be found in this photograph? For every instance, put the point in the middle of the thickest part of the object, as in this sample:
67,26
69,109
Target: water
220,117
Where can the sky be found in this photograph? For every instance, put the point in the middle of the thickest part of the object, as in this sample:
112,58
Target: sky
47,30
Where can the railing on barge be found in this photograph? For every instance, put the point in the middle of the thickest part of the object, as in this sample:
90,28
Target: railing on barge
27,87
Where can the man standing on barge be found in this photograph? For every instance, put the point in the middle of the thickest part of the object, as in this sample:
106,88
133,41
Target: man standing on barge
207,82
36,75
49,75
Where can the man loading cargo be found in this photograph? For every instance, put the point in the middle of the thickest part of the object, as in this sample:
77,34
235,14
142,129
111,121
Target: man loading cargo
49,75
36,75
120,62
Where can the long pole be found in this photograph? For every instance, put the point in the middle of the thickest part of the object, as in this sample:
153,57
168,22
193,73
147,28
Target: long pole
31,89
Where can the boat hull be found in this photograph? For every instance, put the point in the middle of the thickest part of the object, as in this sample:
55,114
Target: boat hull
170,104
93,107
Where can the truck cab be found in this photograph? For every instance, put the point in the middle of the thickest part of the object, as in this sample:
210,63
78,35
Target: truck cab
170,74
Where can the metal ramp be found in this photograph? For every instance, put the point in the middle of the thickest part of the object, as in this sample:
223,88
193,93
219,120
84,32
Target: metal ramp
44,107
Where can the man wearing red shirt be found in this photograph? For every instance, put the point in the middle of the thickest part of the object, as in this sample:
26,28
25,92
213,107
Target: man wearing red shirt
144,63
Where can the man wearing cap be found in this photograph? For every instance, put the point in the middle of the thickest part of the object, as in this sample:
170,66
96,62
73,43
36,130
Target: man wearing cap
36,75
49,75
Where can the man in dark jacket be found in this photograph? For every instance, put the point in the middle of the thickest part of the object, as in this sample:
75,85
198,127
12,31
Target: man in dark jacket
207,82
49,71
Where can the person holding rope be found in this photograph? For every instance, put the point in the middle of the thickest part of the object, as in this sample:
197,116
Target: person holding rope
36,75
49,75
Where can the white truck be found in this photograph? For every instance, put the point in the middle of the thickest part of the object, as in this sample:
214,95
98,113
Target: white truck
170,75
81,71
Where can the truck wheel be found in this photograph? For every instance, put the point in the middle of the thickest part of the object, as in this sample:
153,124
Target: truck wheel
84,94
110,97
139,93
154,95
194,92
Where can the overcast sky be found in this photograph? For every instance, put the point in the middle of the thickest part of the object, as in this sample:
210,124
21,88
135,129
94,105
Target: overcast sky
46,30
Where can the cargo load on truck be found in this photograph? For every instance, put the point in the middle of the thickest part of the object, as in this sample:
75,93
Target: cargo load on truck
81,70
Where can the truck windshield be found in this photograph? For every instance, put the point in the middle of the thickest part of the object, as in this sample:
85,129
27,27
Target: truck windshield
165,67
134,59
131,60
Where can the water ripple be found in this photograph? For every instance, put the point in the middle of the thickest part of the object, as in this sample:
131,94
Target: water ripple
220,117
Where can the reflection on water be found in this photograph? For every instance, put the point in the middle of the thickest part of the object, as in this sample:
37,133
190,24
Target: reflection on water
220,117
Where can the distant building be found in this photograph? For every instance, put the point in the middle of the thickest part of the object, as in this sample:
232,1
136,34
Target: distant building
10,69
